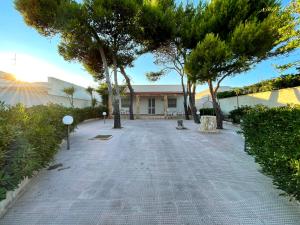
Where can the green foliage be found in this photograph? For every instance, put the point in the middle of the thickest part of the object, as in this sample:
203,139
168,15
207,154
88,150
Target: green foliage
272,136
29,138
290,34
156,23
284,81
232,36
207,111
237,114
207,58
102,90
154,76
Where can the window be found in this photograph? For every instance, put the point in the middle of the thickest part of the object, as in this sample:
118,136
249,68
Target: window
172,102
125,102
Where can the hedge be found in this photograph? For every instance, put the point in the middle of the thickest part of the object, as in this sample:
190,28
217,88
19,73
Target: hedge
237,114
207,111
272,136
284,81
30,137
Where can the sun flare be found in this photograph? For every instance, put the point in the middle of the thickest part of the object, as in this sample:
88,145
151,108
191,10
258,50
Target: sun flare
27,68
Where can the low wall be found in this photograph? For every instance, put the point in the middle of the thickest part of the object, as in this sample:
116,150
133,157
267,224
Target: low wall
269,98
38,97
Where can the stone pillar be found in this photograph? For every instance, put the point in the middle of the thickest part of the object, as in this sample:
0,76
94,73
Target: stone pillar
208,124
137,106
166,105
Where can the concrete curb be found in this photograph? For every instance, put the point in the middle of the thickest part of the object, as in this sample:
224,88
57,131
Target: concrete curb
12,196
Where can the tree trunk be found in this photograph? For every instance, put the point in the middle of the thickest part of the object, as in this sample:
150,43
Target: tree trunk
216,106
192,89
131,116
117,116
186,111
109,87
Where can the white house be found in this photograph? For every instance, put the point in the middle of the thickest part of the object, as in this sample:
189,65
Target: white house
155,100
41,93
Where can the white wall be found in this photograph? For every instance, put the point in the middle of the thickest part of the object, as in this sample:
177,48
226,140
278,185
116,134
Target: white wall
31,94
30,98
270,98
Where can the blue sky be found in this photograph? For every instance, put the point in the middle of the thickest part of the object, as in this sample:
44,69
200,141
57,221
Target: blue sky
37,57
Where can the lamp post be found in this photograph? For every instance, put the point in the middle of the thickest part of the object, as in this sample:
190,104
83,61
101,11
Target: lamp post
198,114
104,115
68,120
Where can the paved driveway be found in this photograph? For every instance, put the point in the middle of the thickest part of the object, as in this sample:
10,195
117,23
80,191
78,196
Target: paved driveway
151,173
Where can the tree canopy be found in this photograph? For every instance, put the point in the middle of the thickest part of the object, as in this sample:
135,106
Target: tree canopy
211,41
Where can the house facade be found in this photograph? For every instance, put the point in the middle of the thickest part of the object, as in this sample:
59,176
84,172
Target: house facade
154,100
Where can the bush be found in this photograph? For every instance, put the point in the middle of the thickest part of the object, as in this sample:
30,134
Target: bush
30,137
207,111
284,81
237,114
272,136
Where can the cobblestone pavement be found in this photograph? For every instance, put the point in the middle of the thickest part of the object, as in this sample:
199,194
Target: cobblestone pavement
151,173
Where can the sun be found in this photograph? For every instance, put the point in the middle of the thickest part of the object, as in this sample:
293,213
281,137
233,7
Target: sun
28,68
23,67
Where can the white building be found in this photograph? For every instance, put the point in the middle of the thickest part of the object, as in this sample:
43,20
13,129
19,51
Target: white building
155,100
41,93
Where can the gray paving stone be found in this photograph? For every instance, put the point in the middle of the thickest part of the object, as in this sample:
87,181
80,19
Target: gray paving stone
149,173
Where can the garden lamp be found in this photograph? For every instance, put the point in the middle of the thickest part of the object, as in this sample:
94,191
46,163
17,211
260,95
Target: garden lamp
68,120
104,115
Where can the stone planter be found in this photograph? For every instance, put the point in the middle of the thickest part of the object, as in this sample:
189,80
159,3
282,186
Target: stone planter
208,124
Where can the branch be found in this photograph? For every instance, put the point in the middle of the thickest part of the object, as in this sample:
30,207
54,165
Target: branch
219,82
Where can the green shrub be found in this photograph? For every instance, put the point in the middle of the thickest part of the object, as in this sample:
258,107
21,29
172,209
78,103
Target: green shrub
207,111
30,137
284,81
237,114
272,136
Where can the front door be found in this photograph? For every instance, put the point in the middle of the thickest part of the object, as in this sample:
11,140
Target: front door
151,106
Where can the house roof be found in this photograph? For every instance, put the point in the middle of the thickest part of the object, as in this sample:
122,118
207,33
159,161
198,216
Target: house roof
157,89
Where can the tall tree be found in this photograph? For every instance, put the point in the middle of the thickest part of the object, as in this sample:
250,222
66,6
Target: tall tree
172,55
108,24
124,61
233,36
83,50
68,19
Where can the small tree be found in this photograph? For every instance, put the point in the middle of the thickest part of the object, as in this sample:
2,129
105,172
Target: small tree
237,92
69,91
103,92
170,58
90,91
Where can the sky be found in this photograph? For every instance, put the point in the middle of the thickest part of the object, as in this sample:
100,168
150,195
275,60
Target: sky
33,57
